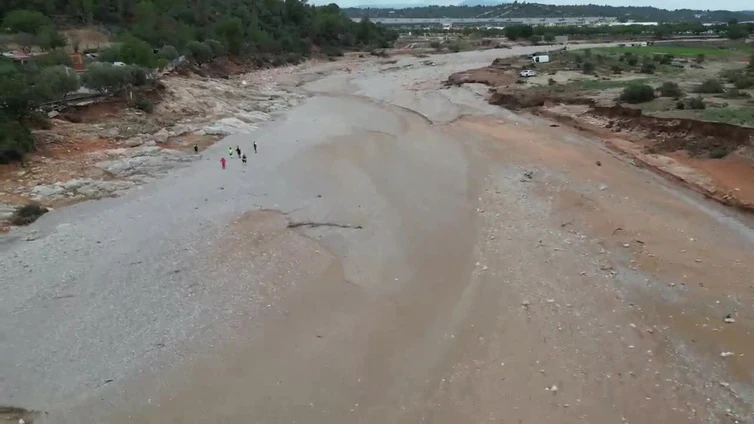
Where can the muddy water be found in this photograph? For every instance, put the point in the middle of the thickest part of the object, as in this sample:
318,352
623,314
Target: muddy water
455,270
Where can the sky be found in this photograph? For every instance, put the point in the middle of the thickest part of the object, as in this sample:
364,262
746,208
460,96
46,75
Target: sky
664,4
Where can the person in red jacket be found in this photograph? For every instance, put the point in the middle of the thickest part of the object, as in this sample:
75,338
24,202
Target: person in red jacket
222,162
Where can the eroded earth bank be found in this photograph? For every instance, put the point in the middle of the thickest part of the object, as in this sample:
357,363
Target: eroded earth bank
396,252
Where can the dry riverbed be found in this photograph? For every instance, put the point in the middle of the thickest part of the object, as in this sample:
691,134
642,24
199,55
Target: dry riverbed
398,251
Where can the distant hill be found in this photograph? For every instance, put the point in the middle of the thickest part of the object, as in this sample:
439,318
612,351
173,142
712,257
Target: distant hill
534,10
481,2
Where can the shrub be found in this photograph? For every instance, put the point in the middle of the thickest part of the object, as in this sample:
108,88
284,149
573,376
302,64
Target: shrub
700,58
110,54
435,45
666,59
696,103
743,82
535,39
53,58
632,60
15,140
680,105
587,52
38,119
136,51
218,49
578,58
549,38
616,69
588,67
710,86
718,153
332,51
670,89
30,21
138,76
55,82
551,81
144,104
168,53
735,93
27,214
648,68
106,78
454,47
198,52
637,93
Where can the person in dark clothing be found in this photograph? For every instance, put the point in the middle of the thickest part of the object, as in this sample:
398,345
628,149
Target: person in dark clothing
255,147
196,148
238,150
243,159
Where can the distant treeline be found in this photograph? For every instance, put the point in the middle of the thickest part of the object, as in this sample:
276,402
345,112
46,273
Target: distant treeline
534,10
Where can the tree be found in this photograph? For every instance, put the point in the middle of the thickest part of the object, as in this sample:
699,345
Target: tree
198,52
168,53
106,78
136,51
30,21
218,49
230,31
55,82
50,39
736,32
710,86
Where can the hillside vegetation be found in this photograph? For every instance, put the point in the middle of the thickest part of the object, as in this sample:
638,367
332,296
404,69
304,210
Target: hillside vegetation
534,10
148,35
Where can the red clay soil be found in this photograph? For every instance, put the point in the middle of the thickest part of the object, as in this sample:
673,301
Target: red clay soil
673,134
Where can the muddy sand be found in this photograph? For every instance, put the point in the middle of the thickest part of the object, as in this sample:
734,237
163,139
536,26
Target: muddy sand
396,252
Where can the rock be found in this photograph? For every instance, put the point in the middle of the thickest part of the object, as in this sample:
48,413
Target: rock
228,126
147,160
134,141
75,184
598,163
112,132
729,319
6,211
161,136
727,354
47,192
602,187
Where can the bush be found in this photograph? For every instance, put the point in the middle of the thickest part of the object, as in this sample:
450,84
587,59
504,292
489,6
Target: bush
144,104
670,89
551,81
49,39
695,103
53,58
30,21
15,140
218,49
648,68
588,68
110,54
680,105
55,82
135,51
666,59
332,51
535,39
743,82
735,93
637,93
700,58
198,52
616,69
27,214
718,153
632,60
710,86
549,38
435,45
106,78
168,53
454,47
138,76
587,52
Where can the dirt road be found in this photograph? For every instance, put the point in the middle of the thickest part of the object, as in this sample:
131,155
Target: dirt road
396,252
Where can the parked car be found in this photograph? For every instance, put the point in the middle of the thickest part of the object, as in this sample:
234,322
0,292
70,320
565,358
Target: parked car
528,73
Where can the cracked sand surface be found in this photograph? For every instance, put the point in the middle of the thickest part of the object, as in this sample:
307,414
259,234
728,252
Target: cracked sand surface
499,276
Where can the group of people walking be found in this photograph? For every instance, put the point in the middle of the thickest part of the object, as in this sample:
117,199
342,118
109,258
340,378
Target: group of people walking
238,153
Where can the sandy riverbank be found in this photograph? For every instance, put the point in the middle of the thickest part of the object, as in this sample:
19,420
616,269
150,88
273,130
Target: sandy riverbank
396,252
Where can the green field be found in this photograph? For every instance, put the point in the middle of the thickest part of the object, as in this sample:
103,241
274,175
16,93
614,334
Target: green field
736,116
604,85
673,50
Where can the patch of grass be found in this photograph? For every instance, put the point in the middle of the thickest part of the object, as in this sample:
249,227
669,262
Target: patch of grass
603,85
735,116
670,50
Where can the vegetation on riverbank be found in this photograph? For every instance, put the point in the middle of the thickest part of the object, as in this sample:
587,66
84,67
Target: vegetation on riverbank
148,35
